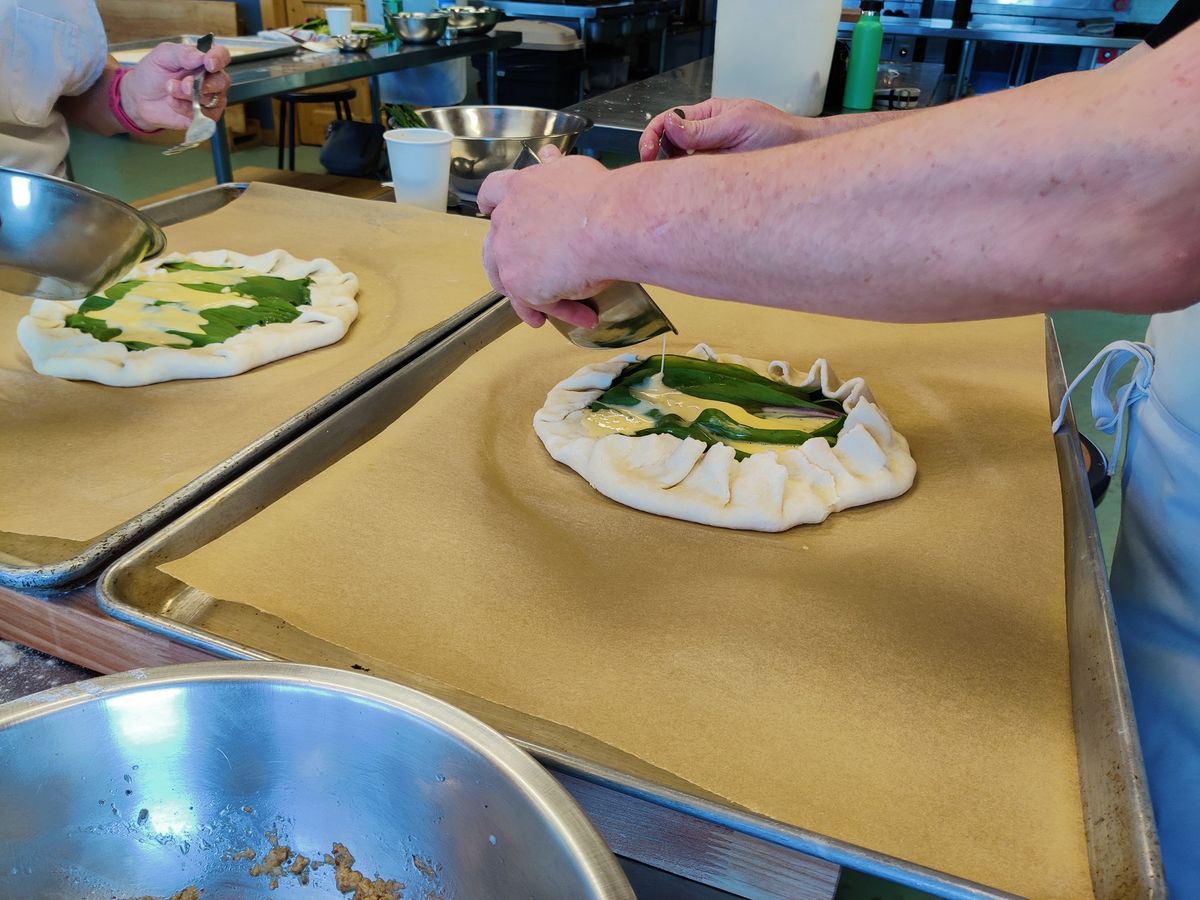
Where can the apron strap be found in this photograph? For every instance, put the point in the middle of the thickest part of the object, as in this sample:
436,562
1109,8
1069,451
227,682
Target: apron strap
1110,411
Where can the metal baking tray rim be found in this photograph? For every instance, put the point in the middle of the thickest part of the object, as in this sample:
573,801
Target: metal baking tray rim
262,49
791,837
1105,757
64,575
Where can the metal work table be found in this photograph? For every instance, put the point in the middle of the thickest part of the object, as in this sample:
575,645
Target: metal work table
305,70
1000,33
619,116
584,12
1027,36
602,21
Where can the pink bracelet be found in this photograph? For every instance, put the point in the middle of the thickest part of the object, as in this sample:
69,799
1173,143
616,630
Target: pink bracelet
114,106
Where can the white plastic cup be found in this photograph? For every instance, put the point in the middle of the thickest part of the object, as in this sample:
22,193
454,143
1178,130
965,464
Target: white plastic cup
338,19
798,43
420,162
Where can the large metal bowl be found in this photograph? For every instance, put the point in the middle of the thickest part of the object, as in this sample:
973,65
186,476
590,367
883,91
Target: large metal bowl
419,27
62,241
472,20
152,781
488,139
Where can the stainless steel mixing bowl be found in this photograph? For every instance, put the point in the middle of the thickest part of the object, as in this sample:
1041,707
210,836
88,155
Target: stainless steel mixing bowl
152,781
471,20
488,139
419,27
62,241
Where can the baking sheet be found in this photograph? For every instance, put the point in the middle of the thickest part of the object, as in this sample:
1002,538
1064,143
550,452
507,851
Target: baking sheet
241,50
78,459
896,677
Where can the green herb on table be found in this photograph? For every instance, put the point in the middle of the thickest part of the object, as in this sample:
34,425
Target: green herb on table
401,115
318,25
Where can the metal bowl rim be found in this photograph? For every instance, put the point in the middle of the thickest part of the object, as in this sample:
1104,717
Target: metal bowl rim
158,237
562,814
486,11
587,122
421,16
268,672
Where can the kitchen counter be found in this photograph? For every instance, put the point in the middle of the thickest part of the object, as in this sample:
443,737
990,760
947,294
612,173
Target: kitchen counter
266,78
532,9
619,116
1001,33
25,671
619,22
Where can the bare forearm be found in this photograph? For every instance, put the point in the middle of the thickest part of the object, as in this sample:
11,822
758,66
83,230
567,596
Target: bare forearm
1075,193
90,109
852,121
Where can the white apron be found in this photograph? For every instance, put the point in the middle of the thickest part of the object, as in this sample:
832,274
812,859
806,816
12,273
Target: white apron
1156,572
48,49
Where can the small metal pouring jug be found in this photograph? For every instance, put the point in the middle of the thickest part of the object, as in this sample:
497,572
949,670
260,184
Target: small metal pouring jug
627,315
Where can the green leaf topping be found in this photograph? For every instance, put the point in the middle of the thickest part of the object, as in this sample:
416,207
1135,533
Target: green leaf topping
223,322
119,290
185,266
726,383
276,300
714,427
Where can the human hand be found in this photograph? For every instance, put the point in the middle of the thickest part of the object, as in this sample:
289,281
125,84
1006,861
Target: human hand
537,251
726,126
157,92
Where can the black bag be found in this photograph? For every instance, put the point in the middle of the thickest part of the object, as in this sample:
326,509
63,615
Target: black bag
355,149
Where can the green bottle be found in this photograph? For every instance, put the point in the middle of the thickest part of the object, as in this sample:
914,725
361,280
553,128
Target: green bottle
863,67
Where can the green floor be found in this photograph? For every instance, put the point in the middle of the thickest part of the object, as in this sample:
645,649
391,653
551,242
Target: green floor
130,170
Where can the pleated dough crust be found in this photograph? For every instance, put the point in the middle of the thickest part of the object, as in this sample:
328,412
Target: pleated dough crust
685,479
64,352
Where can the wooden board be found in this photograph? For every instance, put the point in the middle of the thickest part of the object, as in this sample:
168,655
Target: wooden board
135,20
274,13
73,628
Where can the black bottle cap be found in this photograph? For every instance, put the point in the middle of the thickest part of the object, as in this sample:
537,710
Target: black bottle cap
871,5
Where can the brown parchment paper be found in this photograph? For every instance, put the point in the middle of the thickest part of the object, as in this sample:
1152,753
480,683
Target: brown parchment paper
77,459
895,677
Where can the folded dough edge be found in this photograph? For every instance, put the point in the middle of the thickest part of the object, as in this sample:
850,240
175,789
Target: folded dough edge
769,491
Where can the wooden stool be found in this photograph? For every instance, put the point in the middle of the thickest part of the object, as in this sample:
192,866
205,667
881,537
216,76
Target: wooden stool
339,97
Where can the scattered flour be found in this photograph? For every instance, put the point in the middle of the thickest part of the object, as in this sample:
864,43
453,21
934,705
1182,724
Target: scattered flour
9,655
24,671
